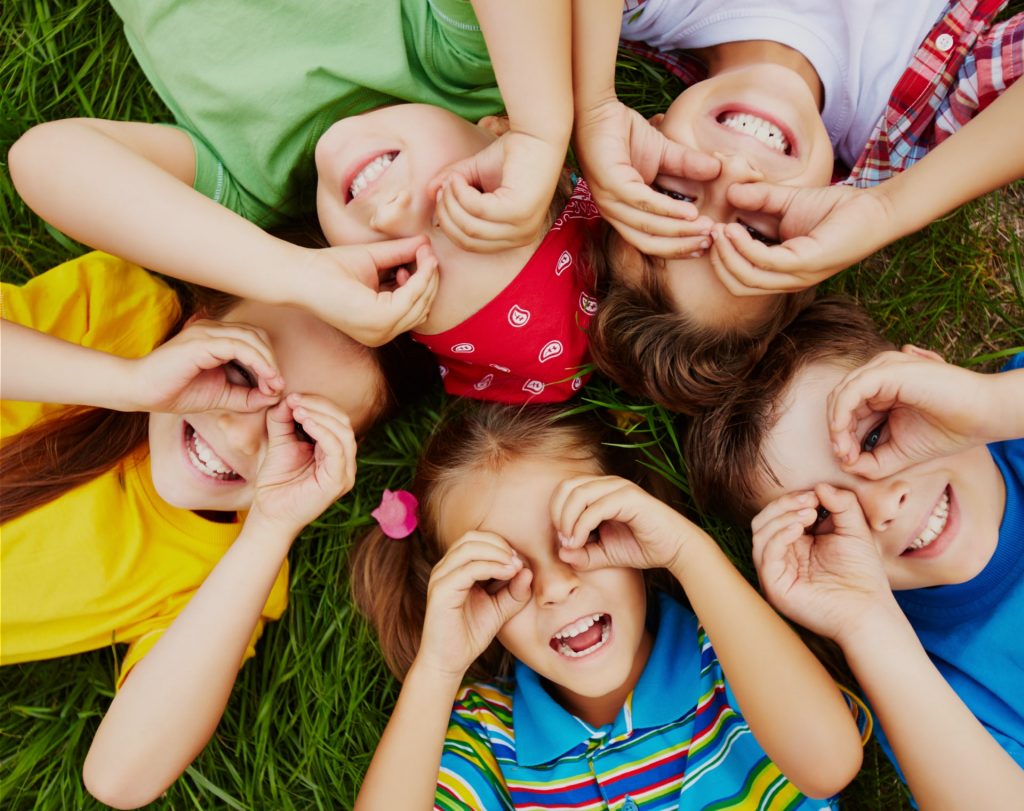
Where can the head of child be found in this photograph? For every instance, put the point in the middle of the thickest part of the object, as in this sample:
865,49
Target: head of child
376,177
933,523
208,461
494,469
669,329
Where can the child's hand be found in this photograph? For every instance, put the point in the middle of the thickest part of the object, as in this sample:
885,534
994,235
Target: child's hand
478,586
499,198
310,462
823,581
825,230
198,370
621,153
608,521
922,406
353,288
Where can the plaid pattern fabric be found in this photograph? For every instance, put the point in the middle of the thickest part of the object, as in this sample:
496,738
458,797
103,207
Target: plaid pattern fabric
961,67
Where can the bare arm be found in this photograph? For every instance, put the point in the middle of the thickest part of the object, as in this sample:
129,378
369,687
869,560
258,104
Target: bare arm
124,187
835,585
174,697
793,707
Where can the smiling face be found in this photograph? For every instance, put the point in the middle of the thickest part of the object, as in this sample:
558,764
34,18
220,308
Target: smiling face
763,123
583,632
934,523
373,170
209,460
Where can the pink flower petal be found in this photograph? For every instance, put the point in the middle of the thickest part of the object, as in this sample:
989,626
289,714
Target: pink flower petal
397,513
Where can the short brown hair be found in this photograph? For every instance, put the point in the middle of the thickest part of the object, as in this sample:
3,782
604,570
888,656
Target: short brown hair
723,446
389,578
640,341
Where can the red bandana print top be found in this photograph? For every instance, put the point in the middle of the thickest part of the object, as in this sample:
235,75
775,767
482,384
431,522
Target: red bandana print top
528,344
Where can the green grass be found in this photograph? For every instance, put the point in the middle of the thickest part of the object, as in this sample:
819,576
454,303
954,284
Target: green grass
306,712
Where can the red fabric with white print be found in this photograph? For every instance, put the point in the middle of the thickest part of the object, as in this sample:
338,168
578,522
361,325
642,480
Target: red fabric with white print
529,342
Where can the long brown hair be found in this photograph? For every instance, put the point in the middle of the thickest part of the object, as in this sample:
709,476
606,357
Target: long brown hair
74,445
389,578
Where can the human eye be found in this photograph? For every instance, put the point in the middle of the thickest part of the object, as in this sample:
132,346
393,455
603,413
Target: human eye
675,195
823,524
239,375
873,438
758,235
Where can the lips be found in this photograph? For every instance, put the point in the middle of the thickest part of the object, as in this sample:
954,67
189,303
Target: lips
759,125
582,636
939,526
204,458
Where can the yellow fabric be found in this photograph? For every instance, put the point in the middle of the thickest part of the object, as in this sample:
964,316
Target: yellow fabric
110,561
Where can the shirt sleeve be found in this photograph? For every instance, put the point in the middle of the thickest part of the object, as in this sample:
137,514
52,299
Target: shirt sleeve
470,777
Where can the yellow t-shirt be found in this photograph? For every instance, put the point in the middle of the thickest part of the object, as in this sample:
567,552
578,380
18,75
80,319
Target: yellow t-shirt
109,561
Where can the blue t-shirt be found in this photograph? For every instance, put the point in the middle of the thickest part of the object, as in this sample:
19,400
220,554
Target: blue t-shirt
972,630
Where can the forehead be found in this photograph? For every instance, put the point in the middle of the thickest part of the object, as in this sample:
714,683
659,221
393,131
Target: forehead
797,449
315,358
513,501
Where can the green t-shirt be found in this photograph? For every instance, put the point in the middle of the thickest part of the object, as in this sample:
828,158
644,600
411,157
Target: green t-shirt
256,84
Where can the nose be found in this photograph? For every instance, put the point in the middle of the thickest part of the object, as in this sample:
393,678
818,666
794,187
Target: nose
244,433
554,582
394,215
882,501
736,168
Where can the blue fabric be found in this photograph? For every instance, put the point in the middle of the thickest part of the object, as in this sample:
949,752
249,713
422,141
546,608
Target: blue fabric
972,631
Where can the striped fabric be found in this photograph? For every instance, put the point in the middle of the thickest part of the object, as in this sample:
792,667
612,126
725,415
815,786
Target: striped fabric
678,743
962,66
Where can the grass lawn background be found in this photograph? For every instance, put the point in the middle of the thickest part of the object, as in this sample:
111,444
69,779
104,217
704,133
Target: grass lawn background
306,713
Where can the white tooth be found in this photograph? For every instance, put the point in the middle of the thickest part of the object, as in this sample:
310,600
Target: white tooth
369,173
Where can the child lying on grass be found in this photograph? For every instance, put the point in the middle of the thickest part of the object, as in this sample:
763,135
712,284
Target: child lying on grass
883,521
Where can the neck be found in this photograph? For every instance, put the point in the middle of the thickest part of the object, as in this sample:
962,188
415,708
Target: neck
731,55
598,711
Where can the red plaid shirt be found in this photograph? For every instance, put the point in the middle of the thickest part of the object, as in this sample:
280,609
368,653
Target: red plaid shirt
961,67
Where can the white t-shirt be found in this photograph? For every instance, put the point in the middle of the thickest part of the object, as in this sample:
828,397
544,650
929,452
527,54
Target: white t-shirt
859,48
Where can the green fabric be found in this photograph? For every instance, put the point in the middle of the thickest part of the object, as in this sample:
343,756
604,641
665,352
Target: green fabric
255,84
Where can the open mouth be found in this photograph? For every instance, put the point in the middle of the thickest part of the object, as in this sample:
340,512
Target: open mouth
934,527
583,636
761,129
205,460
370,171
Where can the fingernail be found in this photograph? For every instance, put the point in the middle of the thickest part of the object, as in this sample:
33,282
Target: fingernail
807,513
705,244
564,540
804,498
696,255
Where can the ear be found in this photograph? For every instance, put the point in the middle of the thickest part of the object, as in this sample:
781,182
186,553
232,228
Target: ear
496,125
656,119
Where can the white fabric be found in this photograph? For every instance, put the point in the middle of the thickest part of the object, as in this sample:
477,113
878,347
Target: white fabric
859,48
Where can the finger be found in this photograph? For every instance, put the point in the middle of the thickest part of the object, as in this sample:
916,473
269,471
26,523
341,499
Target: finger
280,422
847,515
586,558
604,502
759,196
778,550
469,233
218,351
571,498
459,581
646,210
919,352
394,252
682,161
783,504
668,247
476,546
416,296
328,454
736,250
780,259
515,596
805,517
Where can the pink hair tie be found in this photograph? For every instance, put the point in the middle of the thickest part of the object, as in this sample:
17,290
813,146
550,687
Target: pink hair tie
397,513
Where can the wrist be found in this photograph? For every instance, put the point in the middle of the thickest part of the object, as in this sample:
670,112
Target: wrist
882,622
429,675
1003,392
273,533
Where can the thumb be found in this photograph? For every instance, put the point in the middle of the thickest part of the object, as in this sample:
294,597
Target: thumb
280,422
847,515
394,252
877,464
585,558
680,161
245,400
767,198
514,597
